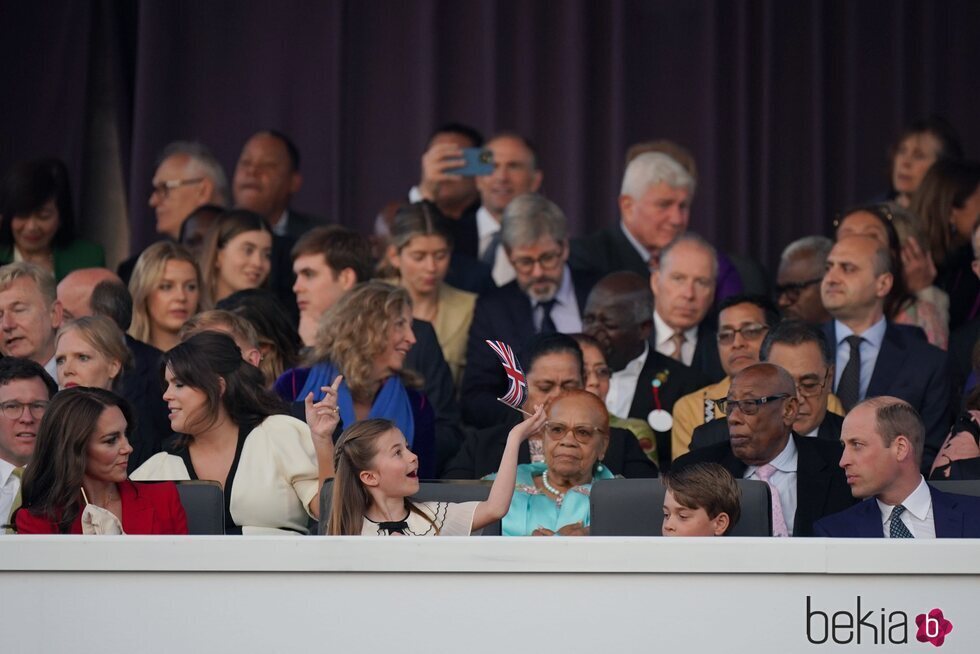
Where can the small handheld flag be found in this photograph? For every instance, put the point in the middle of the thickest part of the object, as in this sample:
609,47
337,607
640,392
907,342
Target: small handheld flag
516,382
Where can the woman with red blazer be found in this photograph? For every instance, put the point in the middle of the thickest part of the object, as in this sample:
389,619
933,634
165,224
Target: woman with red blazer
79,472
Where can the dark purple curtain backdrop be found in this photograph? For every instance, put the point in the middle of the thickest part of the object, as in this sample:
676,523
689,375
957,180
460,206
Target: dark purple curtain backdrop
789,106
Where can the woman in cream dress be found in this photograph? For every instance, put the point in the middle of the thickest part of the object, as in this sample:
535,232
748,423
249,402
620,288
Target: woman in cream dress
270,465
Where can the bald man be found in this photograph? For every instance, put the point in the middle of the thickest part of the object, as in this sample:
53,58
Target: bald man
75,290
802,473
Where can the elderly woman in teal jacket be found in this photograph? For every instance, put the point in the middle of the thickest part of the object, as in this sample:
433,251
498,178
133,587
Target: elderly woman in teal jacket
552,496
37,220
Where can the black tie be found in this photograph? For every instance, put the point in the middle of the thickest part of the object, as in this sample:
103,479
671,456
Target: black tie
547,324
849,387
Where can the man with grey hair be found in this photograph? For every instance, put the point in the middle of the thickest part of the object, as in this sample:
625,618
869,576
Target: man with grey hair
545,297
187,176
30,314
801,269
684,287
875,356
655,207
883,443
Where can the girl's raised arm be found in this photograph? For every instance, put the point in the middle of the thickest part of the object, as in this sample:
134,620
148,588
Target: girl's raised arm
498,503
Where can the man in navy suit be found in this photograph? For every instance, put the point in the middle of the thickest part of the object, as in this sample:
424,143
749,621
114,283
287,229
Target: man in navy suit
546,297
873,355
883,440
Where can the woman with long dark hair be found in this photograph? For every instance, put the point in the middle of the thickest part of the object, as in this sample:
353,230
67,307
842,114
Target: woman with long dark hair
237,254
235,431
76,482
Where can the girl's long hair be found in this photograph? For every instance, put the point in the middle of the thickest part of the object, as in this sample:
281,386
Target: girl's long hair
52,480
350,500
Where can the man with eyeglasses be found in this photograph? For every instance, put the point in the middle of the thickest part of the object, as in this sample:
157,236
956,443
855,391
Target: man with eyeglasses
744,320
187,176
801,349
25,389
545,297
802,473
801,269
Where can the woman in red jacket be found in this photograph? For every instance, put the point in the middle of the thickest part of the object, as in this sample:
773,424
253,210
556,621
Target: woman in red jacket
79,471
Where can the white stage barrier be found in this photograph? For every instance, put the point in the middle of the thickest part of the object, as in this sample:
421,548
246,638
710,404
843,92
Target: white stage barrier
505,595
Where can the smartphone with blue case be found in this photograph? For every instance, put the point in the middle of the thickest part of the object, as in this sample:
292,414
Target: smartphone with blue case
479,162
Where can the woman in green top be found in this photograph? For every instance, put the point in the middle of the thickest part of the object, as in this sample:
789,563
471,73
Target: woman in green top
38,220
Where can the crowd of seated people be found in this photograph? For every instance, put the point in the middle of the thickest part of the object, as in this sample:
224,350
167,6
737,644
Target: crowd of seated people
264,350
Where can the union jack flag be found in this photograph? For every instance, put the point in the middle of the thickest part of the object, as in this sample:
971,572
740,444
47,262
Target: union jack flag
516,383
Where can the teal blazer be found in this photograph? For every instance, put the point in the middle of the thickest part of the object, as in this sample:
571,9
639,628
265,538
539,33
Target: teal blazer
531,508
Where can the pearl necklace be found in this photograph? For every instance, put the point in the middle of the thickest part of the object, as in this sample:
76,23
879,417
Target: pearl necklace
559,496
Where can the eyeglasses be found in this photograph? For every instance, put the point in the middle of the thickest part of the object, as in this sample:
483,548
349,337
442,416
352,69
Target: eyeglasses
14,410
750,332
163,188
792,291
748,407
547,261
812,387
602,372
582,433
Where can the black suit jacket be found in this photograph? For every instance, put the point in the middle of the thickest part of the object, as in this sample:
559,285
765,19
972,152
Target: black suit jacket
606,251
681,380
466,237
961,344
142,387
706,360
908,367
300,223
716,431
821,488
426,358
503,314
954,516
481,452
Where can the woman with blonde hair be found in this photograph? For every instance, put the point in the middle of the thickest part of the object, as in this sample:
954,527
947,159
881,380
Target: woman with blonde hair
237,254
418,255
166,290
91,351
364,337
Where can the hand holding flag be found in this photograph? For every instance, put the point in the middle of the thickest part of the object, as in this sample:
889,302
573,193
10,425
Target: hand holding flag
516,382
